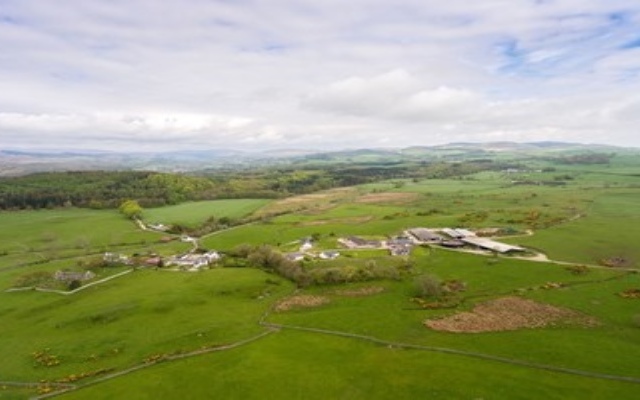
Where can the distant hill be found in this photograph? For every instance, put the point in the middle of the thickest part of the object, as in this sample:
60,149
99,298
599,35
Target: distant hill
21,162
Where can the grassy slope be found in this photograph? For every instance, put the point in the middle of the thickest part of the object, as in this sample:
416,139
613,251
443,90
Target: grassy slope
126,320
57,239
196,212
153,312
610,228
298,365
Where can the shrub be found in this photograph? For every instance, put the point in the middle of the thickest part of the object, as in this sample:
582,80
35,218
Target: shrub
33,279
74,284
578,269
428,286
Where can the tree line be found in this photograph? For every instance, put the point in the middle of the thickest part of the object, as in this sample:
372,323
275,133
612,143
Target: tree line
108,189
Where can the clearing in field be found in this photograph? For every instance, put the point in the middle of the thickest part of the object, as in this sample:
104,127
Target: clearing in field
509,314
346,220
388,198
320,200
194,213
301,301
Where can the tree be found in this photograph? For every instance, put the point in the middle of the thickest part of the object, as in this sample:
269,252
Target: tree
74,284
130,209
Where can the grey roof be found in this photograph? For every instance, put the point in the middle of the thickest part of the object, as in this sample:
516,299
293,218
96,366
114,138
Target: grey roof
491,244
425,235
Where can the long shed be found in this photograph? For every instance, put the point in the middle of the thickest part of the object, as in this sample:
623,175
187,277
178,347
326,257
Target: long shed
492,245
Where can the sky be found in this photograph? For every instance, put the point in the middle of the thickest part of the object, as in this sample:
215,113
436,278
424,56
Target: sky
158,75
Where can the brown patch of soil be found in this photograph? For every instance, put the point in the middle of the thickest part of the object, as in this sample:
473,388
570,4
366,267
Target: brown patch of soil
388,197
301,301
508,314
630,294
365,291
615,262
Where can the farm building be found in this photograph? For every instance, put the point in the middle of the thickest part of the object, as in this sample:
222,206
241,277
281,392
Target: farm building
329,255
193,260
488,244
154,261
454,244
465,232
457,233
294,256
425,235
115,258
400,250
68,276
400,245
400,241
306,245
158,227
355,242
187,238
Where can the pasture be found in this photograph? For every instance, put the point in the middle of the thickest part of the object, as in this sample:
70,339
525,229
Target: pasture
193,213
302,365
365,339
125,321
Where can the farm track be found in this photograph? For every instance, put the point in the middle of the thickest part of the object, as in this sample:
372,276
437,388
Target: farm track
541,257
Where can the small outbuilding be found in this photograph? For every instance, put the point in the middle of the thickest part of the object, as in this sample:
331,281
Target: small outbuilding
68,276
294,256
329,255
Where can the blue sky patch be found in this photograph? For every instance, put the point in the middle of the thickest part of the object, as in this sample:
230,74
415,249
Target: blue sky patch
632,44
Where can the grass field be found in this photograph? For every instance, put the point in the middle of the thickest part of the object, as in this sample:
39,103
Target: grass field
122,322
158,313
300,365
610,228
57,239
196,212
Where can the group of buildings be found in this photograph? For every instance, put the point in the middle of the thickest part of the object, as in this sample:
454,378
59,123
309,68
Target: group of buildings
191,261
401,245
446,237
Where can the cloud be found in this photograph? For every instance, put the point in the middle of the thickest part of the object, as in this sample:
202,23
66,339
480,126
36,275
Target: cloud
394,95
315,74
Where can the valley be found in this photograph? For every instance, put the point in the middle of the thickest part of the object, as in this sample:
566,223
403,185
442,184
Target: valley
256,323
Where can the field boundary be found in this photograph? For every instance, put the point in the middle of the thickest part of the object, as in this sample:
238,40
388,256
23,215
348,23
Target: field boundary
161,360
70,292
446,350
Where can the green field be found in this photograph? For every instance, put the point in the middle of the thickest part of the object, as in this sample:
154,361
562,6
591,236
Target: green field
299,365
351,346
196,212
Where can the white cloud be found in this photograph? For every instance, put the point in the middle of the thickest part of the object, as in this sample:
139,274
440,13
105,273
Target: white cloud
395,95
316,74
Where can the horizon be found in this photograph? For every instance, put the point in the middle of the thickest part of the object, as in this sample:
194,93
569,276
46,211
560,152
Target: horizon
327,77
89,151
